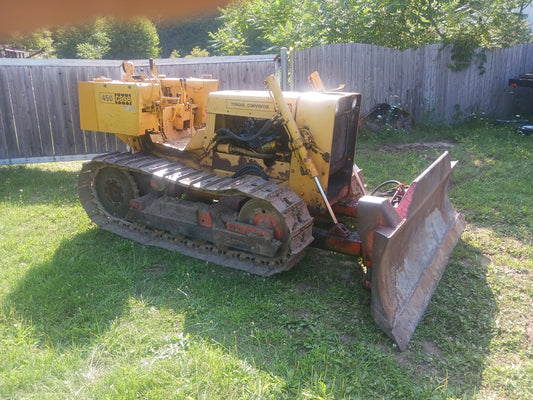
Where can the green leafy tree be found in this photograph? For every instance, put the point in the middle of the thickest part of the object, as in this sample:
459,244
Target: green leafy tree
108,38
74,41
244,29
97,44
35,41
96,48
255,26
83,41
198,52
133,39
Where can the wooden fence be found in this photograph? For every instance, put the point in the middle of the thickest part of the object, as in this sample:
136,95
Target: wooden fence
418,80
39,112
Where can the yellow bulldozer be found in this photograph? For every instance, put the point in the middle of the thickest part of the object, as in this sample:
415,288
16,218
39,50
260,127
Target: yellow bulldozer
249,179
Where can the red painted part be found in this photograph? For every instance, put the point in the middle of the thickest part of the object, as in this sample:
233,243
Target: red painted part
136,205
403,205
344,245
204,219
347,244
246,229
346,208
268,220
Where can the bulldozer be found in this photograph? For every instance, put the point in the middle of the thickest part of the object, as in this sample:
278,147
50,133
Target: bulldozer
249,179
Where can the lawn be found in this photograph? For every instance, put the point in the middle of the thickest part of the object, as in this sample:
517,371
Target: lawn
86,314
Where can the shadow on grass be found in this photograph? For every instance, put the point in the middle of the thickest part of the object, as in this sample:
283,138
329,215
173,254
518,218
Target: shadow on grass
73,297
307,325
456,330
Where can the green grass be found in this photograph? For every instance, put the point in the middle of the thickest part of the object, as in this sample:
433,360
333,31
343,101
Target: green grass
87,314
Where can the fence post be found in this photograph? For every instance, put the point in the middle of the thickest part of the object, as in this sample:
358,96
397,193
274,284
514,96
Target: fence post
284,69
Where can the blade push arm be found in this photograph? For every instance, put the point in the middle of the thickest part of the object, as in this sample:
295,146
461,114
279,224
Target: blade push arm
297,139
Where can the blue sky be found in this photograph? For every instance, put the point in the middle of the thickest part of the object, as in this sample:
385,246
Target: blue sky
529,12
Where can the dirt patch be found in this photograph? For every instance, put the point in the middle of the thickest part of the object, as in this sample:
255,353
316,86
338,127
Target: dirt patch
343,269
484,261
431,348
416,147
421,366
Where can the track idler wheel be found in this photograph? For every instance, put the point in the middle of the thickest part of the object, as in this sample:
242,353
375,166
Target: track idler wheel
114,189
263,215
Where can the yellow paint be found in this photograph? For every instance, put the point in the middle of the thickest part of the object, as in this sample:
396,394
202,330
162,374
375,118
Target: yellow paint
124,108
184,114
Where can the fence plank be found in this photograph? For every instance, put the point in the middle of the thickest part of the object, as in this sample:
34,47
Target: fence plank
71,84
7,124
3,129
54,97
22,111
43,113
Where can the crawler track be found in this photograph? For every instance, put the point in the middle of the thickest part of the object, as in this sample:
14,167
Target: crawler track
284,201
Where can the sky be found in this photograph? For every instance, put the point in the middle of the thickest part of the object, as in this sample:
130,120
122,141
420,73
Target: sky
529,12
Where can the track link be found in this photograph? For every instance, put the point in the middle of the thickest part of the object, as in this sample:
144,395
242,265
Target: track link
291,207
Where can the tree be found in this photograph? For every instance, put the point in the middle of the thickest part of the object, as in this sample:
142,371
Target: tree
75,41
244,28
198,52
38,40
175,54
108,38
95,48
255,26
133,39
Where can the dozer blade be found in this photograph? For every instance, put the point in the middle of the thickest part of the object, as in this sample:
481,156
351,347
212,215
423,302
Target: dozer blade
409,248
